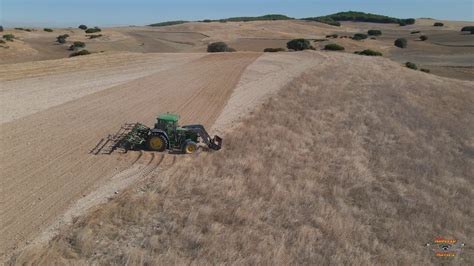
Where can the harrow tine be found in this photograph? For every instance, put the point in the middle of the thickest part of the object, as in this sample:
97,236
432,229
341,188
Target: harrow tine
113,141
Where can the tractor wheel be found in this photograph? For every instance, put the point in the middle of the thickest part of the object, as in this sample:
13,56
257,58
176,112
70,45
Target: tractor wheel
190,147
157,143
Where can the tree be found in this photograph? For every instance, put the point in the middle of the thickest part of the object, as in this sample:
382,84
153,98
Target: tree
401,43
411,65
374,32
218,47
79,44
468,28
93,30
298,44
9,37
62,38
359,36
333,47
438,24
82,27
369,52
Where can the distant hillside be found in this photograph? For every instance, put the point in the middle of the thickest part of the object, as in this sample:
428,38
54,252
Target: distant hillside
265,17
168,23
233,19
359,17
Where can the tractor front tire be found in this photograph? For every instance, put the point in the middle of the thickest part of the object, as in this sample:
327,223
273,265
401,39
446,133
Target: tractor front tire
190,147
157,143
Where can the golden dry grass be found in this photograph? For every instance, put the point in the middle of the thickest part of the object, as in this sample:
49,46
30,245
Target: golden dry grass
346,165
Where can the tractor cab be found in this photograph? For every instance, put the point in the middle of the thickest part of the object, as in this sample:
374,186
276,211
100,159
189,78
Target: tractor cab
167,122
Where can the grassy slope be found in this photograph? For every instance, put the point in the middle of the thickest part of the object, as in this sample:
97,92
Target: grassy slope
345,165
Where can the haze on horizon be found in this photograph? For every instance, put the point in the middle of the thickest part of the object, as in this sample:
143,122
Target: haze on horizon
57,13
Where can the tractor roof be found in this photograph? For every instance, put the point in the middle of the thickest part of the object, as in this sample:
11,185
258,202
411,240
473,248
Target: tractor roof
168,117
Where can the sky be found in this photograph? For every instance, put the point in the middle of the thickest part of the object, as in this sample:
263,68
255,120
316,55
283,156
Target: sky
67,13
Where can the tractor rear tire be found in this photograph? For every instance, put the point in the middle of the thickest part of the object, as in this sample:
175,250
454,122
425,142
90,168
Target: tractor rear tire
157,143
190,147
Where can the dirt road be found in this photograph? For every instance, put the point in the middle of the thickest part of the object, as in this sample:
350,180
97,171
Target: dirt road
45,164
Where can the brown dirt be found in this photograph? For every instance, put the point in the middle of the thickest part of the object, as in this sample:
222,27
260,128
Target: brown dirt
45,163
36,86
345,165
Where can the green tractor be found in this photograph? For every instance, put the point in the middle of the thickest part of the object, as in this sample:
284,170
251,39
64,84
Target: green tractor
167,134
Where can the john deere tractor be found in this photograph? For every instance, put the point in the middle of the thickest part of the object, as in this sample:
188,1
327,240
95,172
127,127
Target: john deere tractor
167,134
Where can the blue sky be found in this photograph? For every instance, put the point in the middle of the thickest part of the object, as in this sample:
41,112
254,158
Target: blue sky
59,13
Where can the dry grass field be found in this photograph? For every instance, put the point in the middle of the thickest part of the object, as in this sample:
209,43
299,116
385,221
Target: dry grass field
343,165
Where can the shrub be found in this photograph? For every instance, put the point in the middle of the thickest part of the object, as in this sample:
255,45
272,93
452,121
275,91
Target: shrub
93,30
374,32
401,43
62,38
78,53
82,27
218,47
359,36
369,52
93,36
402,23
423,37
48,30
438,24
273,50
2,41
411,65
79,44
425,70
9,37
298,44
415,32
332,36
333,47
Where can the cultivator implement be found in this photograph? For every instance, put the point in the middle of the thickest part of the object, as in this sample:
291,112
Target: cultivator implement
114,141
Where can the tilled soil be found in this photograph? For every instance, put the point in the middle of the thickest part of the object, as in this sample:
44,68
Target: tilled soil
45,160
